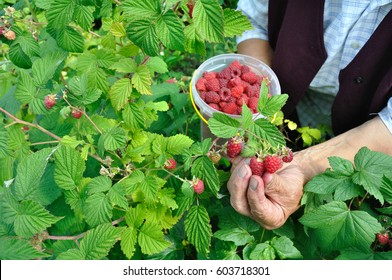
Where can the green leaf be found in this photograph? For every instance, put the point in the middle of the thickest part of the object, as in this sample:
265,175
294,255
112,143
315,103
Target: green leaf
61,13
117,196
170,31
233,219
98,241
128,241
113,139
18,249
371,167
247,117
150,187
263,251
193,42
265,130
44,68
69,168
341,166
84,16
97,209
120,92
386,189
29,174
32,218
151,239
198,228
204,169
285,249
223,126
209,20
273,104
141,80
133,116
141,9
83,91
3,141
125,65
22,50
239,236
68,39
9,207
25,89
235,23
118,29
337,227
178,143
143,33
157,64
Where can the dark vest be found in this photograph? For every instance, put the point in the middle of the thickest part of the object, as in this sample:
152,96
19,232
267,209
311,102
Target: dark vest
296,35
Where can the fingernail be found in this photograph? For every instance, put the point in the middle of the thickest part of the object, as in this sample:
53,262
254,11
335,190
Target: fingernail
243,171
253,184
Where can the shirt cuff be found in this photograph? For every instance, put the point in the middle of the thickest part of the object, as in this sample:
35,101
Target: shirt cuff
386,115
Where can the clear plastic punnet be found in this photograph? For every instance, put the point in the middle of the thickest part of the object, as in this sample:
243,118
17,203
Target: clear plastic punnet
219,62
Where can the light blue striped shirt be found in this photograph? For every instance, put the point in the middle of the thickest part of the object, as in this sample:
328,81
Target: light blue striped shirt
347,27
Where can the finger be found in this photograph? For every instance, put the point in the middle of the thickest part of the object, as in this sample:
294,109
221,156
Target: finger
262,209
237,186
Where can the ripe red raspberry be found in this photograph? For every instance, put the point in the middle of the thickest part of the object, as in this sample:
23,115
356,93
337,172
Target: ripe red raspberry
235,82
245,69
170,164
225,74
76,113
225,94
249,77
50,101
253,104
272,163
214,106
201,84
230,108
235,72
235,64
212,85
237,91
234,147
287,155
383,238
223,82
212,97
257,166
198,186
243,99
209,75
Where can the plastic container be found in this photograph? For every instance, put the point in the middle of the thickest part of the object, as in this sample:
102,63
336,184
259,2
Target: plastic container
219,62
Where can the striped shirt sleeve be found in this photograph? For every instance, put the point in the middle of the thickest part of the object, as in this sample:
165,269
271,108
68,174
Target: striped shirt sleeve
386,115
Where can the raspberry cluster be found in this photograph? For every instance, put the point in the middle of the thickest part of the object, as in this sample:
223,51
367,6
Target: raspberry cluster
266,160
229,89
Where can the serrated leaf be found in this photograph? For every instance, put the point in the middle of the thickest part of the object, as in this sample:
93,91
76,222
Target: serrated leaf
44,68
69,39
9,207
272,105
209,21
117,196
239,236
198,228
265,130
337,227
386,189
83,91
84,16
98,241
247,117
143,33
285,249
18,249
29,174
151,239
69,168
141,9
235,23
204,169
125,65
71,141
25,89
157,64
341,166
223,126
170,31
120,92
262,251
371,166
193,42
60,13
113,139
32,218
128,241
141,80
4,140
118,29
97,209
178,143
133,116
150,187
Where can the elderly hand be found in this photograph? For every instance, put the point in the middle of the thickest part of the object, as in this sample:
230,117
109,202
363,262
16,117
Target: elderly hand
269,199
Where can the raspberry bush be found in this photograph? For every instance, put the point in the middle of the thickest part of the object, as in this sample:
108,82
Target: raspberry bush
100,150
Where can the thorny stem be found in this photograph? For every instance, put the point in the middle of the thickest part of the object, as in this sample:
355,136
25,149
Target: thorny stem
16,120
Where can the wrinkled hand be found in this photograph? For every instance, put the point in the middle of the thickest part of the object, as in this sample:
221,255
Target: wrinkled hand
269,199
